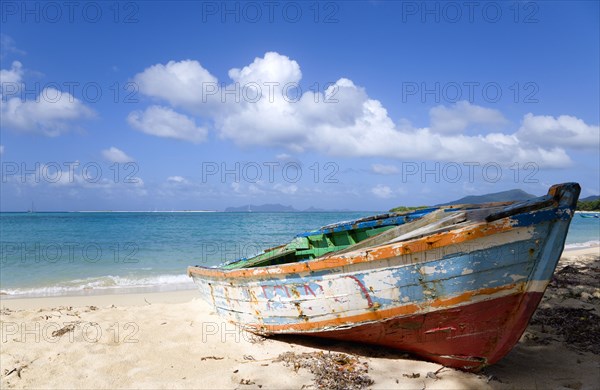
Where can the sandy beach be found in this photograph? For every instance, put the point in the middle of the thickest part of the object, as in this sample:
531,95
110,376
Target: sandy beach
175,340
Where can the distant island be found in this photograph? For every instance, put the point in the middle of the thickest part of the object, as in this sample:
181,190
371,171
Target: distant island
503,196
276,208
590,198
591,203
401,209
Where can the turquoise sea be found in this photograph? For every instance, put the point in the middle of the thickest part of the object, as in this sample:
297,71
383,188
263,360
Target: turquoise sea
44,254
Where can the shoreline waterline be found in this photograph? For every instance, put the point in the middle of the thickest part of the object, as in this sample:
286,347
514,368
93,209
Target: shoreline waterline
592,250
80,254
90,292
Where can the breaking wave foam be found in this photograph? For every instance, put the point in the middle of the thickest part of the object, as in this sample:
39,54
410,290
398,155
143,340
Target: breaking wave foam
104,283
581,245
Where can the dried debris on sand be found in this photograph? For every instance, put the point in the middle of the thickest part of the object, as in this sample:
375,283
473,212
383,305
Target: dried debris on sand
331,370
579,327
571,307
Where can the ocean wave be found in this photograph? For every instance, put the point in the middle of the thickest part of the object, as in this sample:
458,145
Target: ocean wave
580,245
103,283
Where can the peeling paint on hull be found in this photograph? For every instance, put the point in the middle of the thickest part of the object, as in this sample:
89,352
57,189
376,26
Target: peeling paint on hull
461,296
468,337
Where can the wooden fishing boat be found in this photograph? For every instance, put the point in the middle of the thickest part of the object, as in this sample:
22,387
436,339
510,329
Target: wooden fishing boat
455,285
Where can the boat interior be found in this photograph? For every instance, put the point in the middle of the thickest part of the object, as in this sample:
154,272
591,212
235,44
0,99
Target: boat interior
383,229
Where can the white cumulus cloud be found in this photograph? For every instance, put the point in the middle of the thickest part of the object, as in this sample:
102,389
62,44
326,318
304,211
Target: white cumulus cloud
116,155
457,118
164,122
177,180
273,68
53,113
382,169
382,191
11,76
564,130
340,121
182,84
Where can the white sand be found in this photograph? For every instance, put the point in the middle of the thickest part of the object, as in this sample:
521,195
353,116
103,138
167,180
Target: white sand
174,340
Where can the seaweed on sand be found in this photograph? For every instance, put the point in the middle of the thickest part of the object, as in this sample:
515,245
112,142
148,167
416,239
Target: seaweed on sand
579,327
336,371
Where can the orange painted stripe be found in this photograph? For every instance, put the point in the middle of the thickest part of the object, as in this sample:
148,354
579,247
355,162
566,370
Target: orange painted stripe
378,315
436,241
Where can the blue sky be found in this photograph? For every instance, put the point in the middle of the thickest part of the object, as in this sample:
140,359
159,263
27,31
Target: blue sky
361,105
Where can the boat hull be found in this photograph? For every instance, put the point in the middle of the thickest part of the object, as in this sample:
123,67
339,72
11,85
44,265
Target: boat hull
467,337
461,297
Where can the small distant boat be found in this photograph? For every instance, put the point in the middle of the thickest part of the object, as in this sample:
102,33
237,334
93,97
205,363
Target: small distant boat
589,215
455,285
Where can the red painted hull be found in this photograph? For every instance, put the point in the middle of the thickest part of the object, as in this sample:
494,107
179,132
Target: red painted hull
467,337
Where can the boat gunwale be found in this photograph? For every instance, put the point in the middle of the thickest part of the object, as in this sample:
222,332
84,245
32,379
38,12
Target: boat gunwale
330,228
475,230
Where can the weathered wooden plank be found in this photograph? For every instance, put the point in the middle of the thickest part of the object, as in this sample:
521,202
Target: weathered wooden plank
388,235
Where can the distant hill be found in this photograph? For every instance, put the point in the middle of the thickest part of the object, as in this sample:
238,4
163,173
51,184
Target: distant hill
504,196
590,198
591,203
264,208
